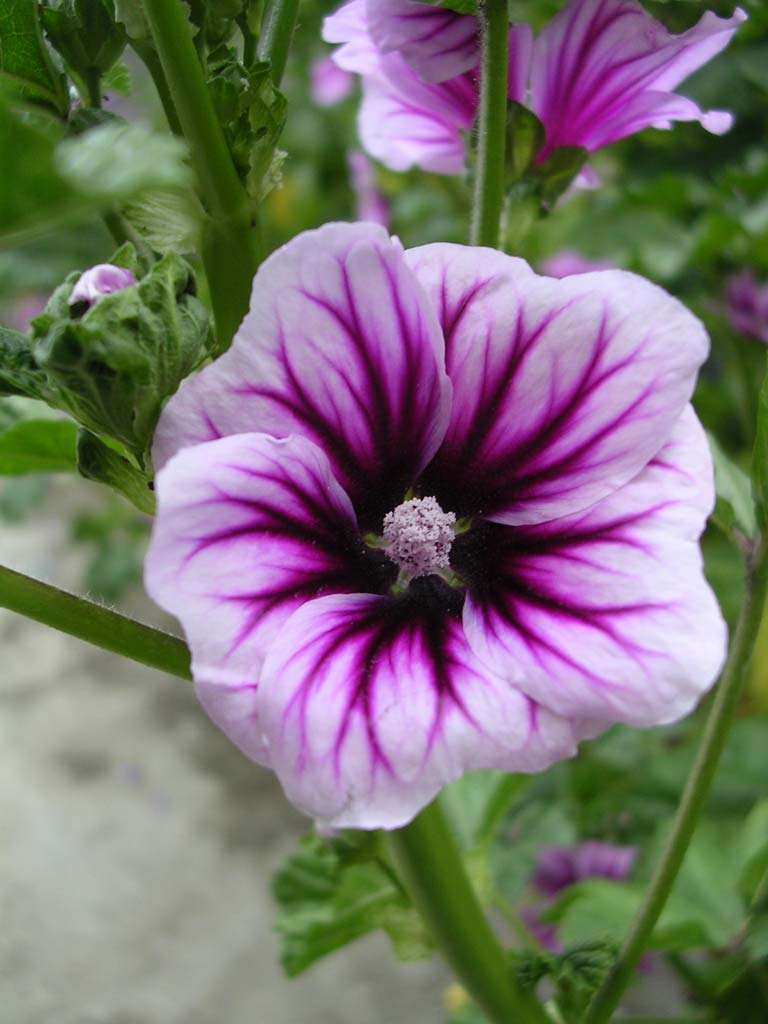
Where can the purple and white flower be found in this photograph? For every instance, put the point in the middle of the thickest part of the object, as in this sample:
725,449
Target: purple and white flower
432,512
329,83
370,204
568,262
102,279
599,71
746,305
558,867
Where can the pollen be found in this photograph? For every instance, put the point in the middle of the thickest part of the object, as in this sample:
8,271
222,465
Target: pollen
418,536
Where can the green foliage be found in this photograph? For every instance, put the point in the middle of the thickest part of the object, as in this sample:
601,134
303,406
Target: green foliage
734,508
85,33
252,112
115,539
38,446
24,61
49,179
760,459
328,895
98,461
460,6
113,365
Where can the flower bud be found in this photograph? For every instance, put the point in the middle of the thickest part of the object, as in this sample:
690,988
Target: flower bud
100,280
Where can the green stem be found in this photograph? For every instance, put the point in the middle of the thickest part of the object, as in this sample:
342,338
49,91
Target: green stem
488,200
277,27
93,623
93,87
695,793
232,256
152,63
429,861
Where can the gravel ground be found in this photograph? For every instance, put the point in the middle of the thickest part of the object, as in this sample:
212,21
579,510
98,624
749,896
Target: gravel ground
136,846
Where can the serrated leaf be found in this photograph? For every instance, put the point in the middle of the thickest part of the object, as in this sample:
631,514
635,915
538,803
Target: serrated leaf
23,57
19,373
734,506
325,903
38,446
168,220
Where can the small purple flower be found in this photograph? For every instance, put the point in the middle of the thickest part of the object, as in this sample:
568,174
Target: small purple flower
23,310
746,306
103,279
557,867
370,204
600,70
432,512
567,262
329,83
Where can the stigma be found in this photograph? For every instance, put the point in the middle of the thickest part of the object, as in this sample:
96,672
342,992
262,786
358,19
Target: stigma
418,536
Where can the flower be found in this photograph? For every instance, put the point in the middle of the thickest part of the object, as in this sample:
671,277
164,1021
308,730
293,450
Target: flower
370,204
329,83
746,305
599,70
557,867
567,262
550,418
100,280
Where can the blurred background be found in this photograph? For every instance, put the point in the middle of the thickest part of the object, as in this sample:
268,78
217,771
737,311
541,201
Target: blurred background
137,845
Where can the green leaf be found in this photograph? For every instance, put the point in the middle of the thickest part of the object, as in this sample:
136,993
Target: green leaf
556,173
24,59
460,6
477,802
19,373
751,850
85,33
118,79
326,903
97,461
116,162
734,506
525,134
168,220
760,459
38,446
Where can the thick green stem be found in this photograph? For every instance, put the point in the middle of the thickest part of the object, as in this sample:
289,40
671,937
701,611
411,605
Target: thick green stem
231,262
93,87
488,200
276,33
694,795
155,68
93,623
426,854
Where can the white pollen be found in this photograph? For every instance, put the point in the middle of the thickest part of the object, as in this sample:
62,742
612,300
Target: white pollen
418,536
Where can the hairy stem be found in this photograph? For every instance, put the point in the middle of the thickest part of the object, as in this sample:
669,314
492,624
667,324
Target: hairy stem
429,861
276,33
231,261
694,795
93,623
488,201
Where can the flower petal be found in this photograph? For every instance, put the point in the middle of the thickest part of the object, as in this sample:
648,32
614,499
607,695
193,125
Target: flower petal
340,346
603,69
437,43
248,528
605,615
563,389
371,704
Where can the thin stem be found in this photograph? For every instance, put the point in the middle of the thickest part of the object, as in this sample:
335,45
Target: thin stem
488,199
277,27
93,87
695,793
93,623
231,254
155,68
249,40
429,861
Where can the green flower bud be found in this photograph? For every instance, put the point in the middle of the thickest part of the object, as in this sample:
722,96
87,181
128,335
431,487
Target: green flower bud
85,33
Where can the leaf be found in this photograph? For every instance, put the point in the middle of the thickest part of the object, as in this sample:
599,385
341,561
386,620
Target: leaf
477,802
525,133
751,850
38,446
117,161
734,506
19,373
23,57
760,459
459,6
97,461
118,79
325,903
